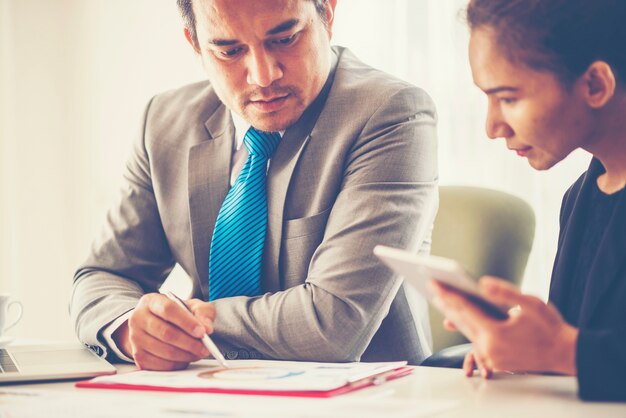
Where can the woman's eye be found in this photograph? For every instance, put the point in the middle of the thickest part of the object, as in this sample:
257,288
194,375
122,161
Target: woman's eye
507,100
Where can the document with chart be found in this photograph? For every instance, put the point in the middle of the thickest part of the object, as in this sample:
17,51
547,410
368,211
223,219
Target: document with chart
260,377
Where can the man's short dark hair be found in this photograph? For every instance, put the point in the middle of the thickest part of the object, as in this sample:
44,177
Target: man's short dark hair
189,18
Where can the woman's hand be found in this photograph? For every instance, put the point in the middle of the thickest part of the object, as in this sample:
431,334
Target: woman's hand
534,337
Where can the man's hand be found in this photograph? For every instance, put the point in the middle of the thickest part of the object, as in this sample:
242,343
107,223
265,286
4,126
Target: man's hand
534,337
160,335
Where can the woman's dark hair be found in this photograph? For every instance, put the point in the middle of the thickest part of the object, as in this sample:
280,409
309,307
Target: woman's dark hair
189,18
561,36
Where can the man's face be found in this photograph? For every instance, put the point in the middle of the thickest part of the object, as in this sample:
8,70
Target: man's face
266,59
533,111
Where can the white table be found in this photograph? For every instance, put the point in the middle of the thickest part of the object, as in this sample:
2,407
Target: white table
506,396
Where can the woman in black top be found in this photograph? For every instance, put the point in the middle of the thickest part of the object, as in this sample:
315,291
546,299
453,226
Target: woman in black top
554,72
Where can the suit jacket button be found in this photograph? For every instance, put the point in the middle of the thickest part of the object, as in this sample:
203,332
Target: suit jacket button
244,355
232,355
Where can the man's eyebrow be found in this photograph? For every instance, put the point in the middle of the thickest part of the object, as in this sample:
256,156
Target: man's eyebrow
223,42
500,89
285,26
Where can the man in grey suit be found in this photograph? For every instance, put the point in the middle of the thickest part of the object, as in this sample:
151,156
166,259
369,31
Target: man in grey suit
355,167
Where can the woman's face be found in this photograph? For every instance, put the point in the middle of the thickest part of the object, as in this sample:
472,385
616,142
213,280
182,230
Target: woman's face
539,117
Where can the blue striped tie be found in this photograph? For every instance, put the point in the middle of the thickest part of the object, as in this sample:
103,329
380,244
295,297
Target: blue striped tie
237,243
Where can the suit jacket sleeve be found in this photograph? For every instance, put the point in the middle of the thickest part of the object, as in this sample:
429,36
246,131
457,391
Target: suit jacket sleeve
388,196
130,257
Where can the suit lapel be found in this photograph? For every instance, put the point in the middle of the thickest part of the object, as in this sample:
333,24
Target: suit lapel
281,169
209,177
608,263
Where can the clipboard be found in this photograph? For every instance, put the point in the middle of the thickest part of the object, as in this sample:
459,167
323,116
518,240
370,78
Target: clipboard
325,380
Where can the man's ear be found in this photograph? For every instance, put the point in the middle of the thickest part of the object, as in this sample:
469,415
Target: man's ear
598,84
330,16
192,41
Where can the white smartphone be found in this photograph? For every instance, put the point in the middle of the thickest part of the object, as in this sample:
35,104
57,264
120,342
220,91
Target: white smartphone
417,270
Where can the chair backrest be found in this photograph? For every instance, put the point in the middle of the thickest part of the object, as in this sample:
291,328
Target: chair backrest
488,232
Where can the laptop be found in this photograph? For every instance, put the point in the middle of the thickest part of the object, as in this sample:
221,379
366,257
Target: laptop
27,363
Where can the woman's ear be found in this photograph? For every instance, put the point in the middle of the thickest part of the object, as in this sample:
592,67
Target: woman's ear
598,84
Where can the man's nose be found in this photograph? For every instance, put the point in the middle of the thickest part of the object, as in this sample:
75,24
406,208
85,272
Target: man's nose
263,69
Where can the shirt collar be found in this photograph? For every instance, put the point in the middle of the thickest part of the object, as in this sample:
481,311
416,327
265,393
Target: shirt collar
241,127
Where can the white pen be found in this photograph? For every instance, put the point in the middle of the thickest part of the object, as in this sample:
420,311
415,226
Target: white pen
208,343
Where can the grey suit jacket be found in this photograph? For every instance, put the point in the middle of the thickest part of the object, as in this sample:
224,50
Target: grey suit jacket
358,169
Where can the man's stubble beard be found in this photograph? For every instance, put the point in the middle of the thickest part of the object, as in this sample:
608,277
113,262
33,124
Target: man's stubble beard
270,121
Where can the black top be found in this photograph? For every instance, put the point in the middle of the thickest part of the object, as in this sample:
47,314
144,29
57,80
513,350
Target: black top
589,284
599,213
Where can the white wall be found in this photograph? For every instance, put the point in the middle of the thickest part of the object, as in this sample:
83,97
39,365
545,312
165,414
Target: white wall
76,74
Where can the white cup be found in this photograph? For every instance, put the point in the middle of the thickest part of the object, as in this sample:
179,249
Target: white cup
5,306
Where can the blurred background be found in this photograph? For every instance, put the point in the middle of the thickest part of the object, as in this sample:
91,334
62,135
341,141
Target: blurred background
75,76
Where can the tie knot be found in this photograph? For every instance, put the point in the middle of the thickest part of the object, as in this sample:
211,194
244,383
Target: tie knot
261,143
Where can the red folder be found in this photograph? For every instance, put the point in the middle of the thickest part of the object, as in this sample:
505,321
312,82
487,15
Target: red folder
349,387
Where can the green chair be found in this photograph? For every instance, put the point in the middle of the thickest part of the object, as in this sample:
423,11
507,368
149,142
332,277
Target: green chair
490,233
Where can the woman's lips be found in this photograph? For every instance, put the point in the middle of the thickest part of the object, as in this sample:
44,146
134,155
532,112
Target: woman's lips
522,152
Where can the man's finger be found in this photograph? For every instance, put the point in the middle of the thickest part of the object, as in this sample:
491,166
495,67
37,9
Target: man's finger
204,311
148,361
169,311
167,351
165,331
